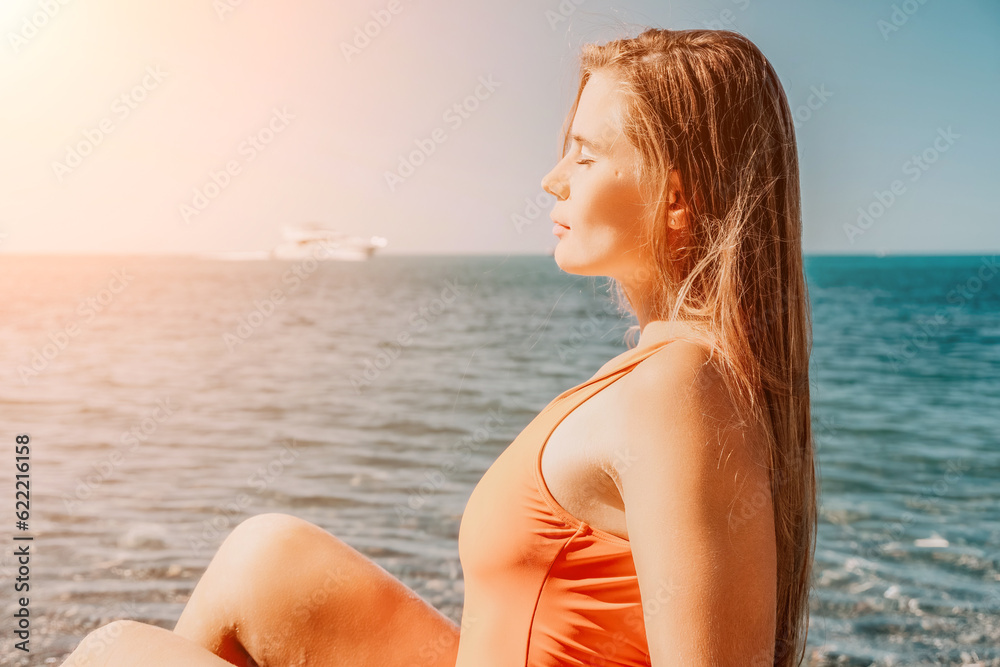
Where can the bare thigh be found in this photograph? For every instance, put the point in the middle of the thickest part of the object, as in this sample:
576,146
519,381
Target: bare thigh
286,592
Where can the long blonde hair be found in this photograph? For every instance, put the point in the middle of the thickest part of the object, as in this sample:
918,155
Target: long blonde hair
709,104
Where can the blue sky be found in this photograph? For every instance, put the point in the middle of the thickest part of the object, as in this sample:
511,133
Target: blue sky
224,120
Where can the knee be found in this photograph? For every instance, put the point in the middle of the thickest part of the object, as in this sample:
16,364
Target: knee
278,547
98,645
272,522
295,564
272,532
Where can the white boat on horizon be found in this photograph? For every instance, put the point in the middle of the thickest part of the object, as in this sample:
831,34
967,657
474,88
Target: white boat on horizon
316,241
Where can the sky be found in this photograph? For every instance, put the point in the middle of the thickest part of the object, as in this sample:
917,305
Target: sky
197,126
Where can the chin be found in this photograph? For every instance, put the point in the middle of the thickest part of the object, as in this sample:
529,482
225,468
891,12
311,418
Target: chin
567,263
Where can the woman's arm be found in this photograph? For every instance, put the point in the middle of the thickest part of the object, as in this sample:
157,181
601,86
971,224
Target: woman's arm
698,511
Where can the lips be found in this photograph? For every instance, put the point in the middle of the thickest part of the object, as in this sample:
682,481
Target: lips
561,224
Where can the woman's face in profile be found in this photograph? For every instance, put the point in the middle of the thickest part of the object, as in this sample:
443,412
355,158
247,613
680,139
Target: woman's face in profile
598,195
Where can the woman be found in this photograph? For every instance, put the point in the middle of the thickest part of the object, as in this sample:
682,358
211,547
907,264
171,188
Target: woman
661,513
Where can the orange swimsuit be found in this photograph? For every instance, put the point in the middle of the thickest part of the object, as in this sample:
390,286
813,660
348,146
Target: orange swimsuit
543,588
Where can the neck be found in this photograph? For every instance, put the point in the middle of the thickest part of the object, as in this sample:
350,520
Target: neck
639,298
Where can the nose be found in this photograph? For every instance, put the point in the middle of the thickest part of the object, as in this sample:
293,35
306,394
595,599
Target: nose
555,185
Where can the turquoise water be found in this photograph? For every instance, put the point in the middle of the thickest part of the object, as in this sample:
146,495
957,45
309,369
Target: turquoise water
172,399
906,372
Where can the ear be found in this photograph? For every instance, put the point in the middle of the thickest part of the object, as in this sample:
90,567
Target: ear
677,209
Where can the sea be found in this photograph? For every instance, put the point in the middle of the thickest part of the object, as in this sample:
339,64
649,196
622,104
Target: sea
168,398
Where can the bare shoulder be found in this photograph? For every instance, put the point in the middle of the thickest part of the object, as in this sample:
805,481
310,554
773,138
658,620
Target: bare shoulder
681,369
674,412
684,379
